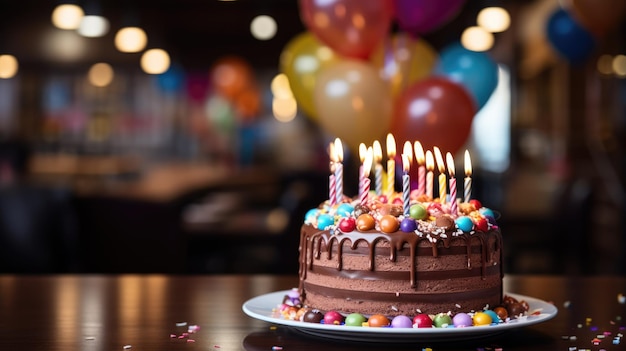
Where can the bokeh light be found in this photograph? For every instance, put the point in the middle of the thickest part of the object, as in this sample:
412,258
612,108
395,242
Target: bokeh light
93,26
67,16
477,39
131,39
155,61
605,64
8,66
263,27
100,74
619,65
494,19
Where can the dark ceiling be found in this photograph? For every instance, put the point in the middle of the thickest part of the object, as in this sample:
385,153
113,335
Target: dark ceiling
194,32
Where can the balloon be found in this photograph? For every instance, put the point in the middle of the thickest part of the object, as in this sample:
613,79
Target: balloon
569,38
302,58
598,16
220,114
231,75
197,87
172,80
435,112
351,28
423,16
475,71
402,60
353,103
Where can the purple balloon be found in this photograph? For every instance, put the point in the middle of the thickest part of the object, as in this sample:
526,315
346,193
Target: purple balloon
423,16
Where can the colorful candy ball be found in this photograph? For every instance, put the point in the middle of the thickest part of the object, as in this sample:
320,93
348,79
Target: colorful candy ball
461,320
333,317
418,211
495,318
401,322
313,316
310,215
378,320
481,318
347,224
408,225
422,320
325,220
355,320
389,224
442,320
345,209
365,222
464,223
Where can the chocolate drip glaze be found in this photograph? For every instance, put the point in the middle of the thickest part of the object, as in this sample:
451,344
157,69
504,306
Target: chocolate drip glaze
313,242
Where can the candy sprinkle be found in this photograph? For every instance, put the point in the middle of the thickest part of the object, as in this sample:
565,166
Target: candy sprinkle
621,298
127,347
277,348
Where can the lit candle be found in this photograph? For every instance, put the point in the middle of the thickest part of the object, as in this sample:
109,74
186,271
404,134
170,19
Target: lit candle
391,164
442,175
362,152
339,170
421,170
378,168
367,165
430,166
468,177
406,183
332,184
451,171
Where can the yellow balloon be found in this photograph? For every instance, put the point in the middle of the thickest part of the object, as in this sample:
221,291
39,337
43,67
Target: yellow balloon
301,59
402,60
353,102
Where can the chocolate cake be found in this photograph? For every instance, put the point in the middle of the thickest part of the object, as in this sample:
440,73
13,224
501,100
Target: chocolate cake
374,259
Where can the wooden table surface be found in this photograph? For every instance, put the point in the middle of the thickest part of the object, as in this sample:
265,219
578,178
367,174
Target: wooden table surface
152,312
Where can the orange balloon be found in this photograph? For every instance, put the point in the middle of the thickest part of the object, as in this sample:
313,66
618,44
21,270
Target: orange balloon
598,16
247,104
353,103
230,75
435,112
402,60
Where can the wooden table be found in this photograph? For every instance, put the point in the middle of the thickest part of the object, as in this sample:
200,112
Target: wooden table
152,312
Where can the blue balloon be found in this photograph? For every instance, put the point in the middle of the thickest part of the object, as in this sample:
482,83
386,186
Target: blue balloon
477,72
571,40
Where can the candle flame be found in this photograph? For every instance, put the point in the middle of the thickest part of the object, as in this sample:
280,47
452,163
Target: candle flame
391,146
408,150
439,158
367,162
430,162
378,151
331,152
468,164
338,150
450,162
406,164
362,151
419,152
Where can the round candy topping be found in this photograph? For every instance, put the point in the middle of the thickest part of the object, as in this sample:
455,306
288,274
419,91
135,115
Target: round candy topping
502,313
462,320
442,320
515,309
389,224
477,205
360,209
464,223
418,211
422,320
481,318
397,201
445,221
481,224
408,225
313,316
487,212
365,222
401,322
494,316
324,220
347,224
345,210
355,320
333,317
310,215
378,320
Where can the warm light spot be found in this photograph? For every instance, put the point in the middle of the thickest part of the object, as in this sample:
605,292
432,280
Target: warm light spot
100,74
476,39
280,86
155,61
494,19
131,39
8,66
284,110
619,65
605,64
358,21
263,27
67,16
321,20
357,103
93,26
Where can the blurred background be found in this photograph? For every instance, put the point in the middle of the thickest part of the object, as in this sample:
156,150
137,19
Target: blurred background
191,136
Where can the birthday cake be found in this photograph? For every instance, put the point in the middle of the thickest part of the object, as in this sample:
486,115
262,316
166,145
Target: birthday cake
392,255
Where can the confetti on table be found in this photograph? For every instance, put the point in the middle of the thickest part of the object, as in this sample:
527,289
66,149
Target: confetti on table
277,348
621,298
127,347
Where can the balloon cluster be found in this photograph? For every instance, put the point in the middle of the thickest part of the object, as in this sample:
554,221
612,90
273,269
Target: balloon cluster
574,29
359,81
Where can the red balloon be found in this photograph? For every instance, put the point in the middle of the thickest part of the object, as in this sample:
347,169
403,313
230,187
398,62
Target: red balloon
349,27
435,112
